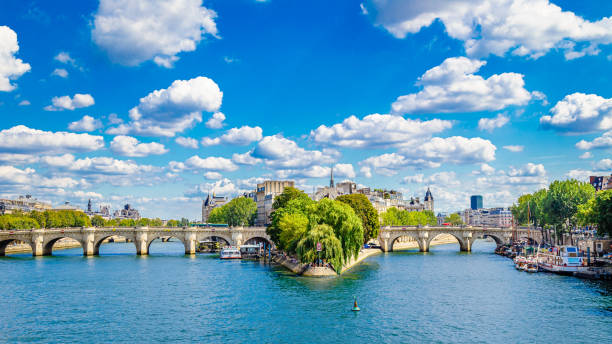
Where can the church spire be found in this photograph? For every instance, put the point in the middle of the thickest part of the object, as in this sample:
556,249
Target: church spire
331,180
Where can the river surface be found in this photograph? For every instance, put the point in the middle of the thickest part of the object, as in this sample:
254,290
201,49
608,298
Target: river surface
405,297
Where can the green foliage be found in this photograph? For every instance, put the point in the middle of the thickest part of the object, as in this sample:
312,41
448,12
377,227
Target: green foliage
453,219
293,227
172,223
18,221
143,222
288,194
396,217
241,211
156,222
291,201
560,205
47,219
184,222
365,211
603,212
127,223
98,221
331,251
218,215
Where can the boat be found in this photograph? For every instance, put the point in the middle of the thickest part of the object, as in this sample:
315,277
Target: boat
250,251
531,267
230,252
520,262
562,260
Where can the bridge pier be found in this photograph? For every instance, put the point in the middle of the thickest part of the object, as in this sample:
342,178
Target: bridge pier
141,242
88,243
190,243
38,248
465,245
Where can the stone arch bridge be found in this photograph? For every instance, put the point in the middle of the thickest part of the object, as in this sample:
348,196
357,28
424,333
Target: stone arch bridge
41,240
464,235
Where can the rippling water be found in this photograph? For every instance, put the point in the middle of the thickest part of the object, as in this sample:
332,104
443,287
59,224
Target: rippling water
442,296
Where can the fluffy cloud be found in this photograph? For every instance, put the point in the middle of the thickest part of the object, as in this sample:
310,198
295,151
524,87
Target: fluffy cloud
440,178
236,136
377,131
528,170
11,68
453,87
28,177
64,58
245,159
521,27
187,142
580,113
528,174
213,175
344,170
87,123
603,165
604,141
168,111
433,153
490,124
586,155
132,32
366,171
61,72
129,146
216,120
24,103
220,187
21,139
211,163
282,153
67,103
514,148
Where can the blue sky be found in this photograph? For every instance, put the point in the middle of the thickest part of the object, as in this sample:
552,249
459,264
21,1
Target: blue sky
155,103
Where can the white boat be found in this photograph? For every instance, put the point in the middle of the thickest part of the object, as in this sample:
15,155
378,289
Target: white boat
563,259
230,253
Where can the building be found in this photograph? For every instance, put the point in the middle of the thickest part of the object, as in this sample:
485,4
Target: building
476,202
22,203
104,211
264,197
493,217
601,182
441,217
67,206
211,203
126,213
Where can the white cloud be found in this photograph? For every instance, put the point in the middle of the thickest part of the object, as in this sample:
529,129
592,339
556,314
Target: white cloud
11,68
580,113
211,163
213,175
366,171
521,27
65,58
389,164
586,155
439,178
377,131
67,103
114,119
168,111
216,120
282,153
245,159
61,72
603,165
528,170
10,175
87,123
95,165
490,124
236,136
130,146
514,148
580,174
222,187
24,103
344,170
528,174
135,31
187,142
604,141
25,140
315,171
453,87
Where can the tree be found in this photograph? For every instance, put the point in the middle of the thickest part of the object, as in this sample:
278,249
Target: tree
341,217
366,212
97,221
39,217
218,216
241,211
288,194
562,201
297,205
293,228
184,222
391,217
331,246
172,223
454,219
603,212
127,223
156,222
143,222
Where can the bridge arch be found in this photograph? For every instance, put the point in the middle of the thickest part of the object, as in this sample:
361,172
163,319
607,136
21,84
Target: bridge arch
460,239
227,240
99,240
254,240
4,244
47,245
395,238
499,241
169,236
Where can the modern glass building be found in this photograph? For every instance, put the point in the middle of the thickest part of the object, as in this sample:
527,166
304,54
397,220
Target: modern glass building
476,202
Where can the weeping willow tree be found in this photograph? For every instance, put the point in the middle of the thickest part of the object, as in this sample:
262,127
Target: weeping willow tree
331,247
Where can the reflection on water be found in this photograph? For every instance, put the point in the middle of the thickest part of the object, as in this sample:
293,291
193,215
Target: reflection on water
407,296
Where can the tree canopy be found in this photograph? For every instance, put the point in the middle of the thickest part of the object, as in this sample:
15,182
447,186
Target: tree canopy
240,211
364,209
454,219
397,217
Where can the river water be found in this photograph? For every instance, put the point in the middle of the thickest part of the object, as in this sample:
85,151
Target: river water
444,296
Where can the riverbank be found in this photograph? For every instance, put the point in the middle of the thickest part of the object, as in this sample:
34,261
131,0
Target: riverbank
298,268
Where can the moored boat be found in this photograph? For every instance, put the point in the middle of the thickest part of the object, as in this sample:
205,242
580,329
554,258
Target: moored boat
563,260
230,253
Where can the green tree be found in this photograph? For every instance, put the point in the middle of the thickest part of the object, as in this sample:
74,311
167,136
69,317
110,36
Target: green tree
562,201
172,223
298,204
156,222
331,251
293,228
603,212
453,219
184,222
288,194
143,222
391,217
241,211
39,217
365,211
98,221
218,216
127,223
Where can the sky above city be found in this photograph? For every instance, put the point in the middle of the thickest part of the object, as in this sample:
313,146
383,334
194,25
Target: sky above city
158,103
